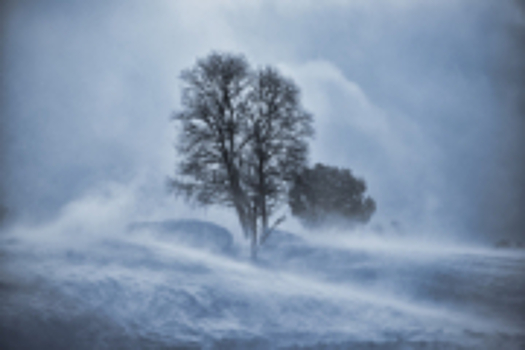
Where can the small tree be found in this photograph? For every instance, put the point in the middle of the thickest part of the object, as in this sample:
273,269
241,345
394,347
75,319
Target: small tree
243,134
326,195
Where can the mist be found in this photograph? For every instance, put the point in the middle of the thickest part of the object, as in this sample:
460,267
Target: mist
417,99
422,100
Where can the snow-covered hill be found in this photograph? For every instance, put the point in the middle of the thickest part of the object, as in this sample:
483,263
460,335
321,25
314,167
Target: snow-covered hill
187,284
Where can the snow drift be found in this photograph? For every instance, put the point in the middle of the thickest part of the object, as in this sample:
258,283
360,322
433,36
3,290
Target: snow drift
187,284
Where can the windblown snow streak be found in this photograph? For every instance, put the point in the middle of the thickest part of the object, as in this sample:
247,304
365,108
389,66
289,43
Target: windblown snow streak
146,288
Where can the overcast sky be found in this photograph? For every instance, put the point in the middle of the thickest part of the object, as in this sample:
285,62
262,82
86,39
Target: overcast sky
420,98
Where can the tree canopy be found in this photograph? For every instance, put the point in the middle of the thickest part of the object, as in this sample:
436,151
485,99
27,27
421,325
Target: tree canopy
327,196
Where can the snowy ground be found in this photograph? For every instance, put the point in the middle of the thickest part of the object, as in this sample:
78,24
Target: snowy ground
155,286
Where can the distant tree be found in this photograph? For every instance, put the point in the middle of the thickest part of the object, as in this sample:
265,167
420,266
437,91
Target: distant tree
243,136
325,195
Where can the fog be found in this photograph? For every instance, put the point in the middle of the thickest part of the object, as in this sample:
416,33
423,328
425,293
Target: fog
422,100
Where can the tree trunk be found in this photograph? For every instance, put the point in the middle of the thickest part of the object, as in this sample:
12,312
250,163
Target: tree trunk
254,233
243,219
241,203
254,246
262,196
264,216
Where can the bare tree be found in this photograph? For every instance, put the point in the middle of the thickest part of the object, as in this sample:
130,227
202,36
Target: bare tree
243,135
210,141
279,129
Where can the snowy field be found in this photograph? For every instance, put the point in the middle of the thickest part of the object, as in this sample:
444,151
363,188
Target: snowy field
190,285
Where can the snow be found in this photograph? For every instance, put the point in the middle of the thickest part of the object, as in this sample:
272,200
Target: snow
185,284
